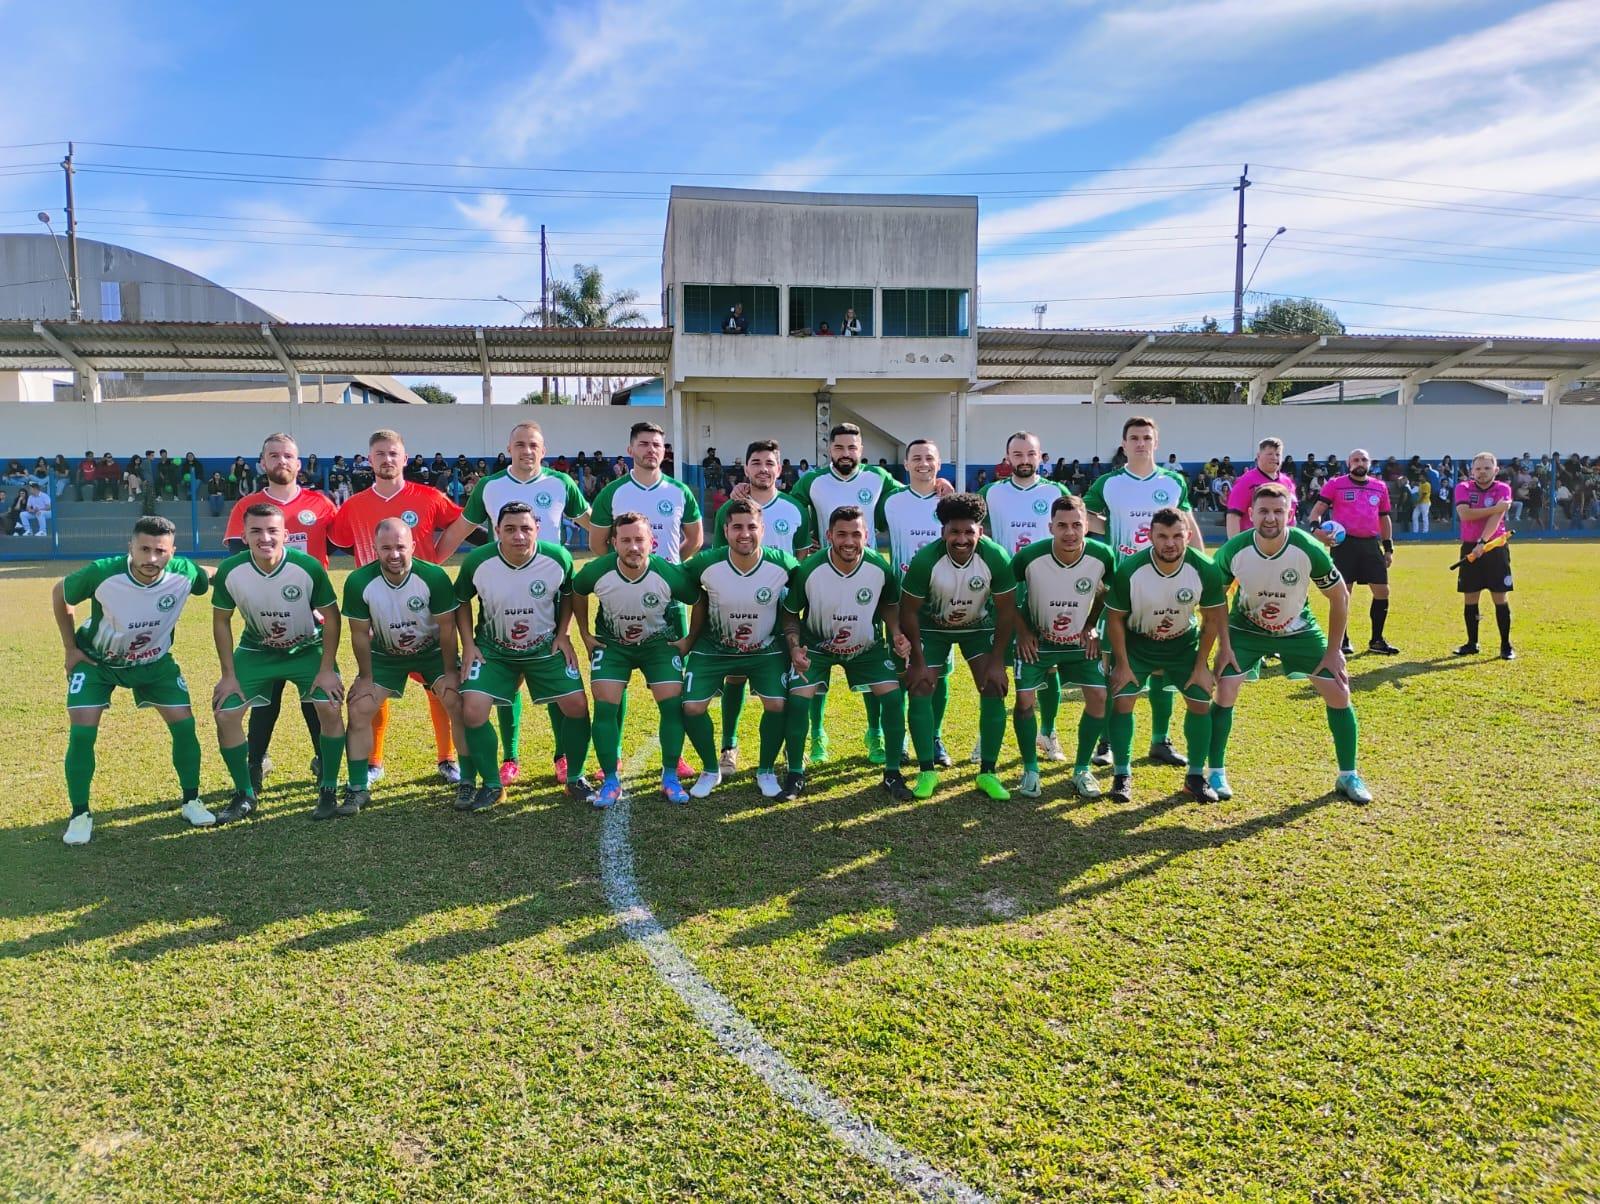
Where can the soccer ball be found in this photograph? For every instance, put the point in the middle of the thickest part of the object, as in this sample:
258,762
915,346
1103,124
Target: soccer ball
1334,529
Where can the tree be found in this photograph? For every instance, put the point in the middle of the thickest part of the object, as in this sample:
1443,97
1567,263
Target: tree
536,398
1184,392
1293,315
434,395
585,303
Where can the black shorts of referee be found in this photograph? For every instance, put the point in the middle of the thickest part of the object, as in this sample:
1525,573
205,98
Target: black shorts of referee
1359,560
1491,571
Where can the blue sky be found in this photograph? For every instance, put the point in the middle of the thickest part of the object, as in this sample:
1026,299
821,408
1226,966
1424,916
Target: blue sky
1459,140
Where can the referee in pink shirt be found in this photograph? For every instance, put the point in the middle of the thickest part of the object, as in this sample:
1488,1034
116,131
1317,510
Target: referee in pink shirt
1360,503
1269,456
1481,505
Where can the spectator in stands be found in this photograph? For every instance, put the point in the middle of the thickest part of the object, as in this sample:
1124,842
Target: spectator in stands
823,331
983,479
14,512
313,470
1094,470
1059,472
713,469
36,518
133,479
62,472
734,323
787,476
85,475
500,462
416,471
193,475
619,469
41,472
108,482
481,468
240,479
168,478
718,498
1002,469
1221,485
15,474
560,464
216,493
1226,469
439,466
669,462
851,326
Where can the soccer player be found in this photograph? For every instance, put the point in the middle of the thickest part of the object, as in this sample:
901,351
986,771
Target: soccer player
1061,586
1481,505
1275,565
291,633
1360,502
401,610
908,517
734,630
959,593
308,515
786,526
1269,458
524,590
1121,503
640,627
429,514
135,603
1158,643
555,498
847,595
1019,514
845,481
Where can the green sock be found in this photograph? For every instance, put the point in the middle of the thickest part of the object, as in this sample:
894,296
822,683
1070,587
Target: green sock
874,715
919,718
1121,740
772,725
1026,725
607,736
796,723
892,708
237,759
732,704
698,729
991,731
80,765
331,750
1049,704
186,757
1089,729
1221,725
508,717
464,766
671,732
557,737
941,700
481,747
819,712
357,772
574,746
1160,716
1342,723
1196,737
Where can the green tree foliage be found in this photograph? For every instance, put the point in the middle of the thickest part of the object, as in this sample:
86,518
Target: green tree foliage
585,302
434,395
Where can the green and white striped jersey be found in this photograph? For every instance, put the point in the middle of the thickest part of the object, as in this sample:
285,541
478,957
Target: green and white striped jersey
553,496
786,524
1017,516
1056,597
909,518
824,491
958,595
667,505
1274,595
279,607
130,623
404,617
517,604
840,610
1162,605
1127,503
741,608
638,611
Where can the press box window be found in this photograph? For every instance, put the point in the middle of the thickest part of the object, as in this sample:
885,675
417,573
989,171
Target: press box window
925,312
810,307
706,307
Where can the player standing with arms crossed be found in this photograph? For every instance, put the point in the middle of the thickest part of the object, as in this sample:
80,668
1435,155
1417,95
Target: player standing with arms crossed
1481,505
1269,458
136,601
1360,503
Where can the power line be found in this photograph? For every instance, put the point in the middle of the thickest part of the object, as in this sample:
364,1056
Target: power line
1437,309
1347,175
1362,198
1480,263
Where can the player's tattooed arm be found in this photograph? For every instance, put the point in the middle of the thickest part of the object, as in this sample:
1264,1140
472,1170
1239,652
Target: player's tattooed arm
795,639
469,650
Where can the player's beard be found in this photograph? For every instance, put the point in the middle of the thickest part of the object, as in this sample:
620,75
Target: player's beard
281,477
845,465
390,478
1023,471
1358,474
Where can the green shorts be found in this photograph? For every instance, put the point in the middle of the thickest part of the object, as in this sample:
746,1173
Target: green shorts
705,672
938,643
549,677
1074,669
867,668
157,684
1300,653
1162,665
657,662
390,672
258,670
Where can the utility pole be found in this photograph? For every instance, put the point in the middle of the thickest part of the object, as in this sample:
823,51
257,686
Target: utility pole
544,297
72,241
1238,255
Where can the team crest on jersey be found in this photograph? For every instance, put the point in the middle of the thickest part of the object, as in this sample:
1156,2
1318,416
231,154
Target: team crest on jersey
306,517
542,500
409,518
651,599
664,506
415,603
1186,595
781,526
1290,576
538,589
1162,497
167,602
1041,506
863,595
291,592
975,582
1083,585
864,495
677,663
572,672
763,595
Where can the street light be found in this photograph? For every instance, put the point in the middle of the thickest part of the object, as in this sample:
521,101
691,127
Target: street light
527,314
72,287
1263,255
1038,316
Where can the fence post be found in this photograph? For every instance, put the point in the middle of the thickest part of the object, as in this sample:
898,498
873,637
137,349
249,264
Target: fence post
194,516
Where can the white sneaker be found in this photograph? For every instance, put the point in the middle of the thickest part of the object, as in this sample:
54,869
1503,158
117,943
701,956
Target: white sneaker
977,751
1029,787
374,774
769,785
1084,785
195,812
79,829
1050,746
705,784
729,762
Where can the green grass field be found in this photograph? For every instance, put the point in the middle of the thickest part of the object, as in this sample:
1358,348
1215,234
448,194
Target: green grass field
1279,998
